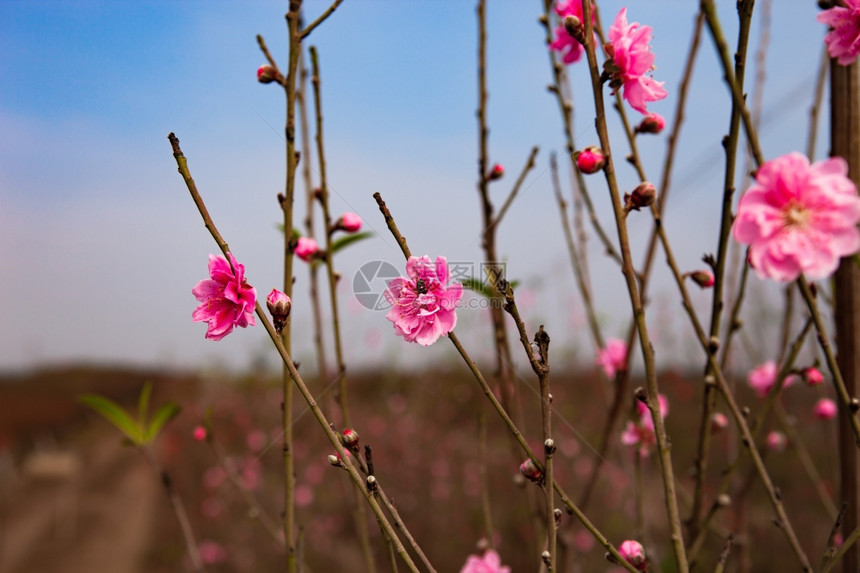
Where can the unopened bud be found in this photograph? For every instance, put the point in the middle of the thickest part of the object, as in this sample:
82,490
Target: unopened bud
349,438
334,460
713,344
371,483
777,441
719,422
723,500
266,74
497,172
279,305
703,278
574,27
813,376
633,553
854,405
549,446
643,196
653,123
546,558
349,222
530,471
589,160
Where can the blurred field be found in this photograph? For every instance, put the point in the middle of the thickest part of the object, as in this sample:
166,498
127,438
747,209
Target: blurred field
73,499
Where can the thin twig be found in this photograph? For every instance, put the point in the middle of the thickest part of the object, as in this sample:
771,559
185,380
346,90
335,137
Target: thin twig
530,163
310,27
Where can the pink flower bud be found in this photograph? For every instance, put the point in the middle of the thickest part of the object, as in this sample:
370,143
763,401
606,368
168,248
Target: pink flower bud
703,278
497,172
633,553
530,470
349,222
653,123
813,376
306,248
349,438
825,409
279,305
719,422
777,441
199,434
589,160
643,196
266,74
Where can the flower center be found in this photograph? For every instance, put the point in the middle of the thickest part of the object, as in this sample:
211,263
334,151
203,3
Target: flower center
795,216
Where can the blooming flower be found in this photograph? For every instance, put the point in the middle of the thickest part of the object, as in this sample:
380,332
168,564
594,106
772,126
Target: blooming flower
633,553
799,218
813,376
631,53
843,40
762,378
306,248
613,357
423,305
641,432
349,222
490,562
570,48
227,300
825,409
645,413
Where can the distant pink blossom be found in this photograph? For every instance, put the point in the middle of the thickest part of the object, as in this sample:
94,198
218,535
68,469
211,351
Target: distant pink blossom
489,562
211,552
306,248
633,553
813,376
497,172
227,300
199,433
631,53
719,422
843,40
423,306
645,413
762,378
613,357
651,123
776,441
825,409
349,222
799,218
640,432
570,48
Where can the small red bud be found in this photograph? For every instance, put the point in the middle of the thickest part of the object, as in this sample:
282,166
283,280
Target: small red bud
643,196
266,74
703,278
530,470
589,160
497,172
349,438
653,123
279,305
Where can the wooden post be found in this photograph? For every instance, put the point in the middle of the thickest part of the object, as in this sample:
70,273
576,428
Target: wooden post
845,142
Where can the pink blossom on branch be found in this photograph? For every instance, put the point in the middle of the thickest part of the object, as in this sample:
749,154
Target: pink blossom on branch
825,409
799,218
613,357
227,300
843,40
630,50
306,248
423,305
764,377
349,222
633,552
489,562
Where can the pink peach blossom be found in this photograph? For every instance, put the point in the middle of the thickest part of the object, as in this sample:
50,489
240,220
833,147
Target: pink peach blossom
638,434
631,53
227,300
613,357
590,160
825,409
211,552
763,378
489,562
306,248
651,123
799,218
645,413
633,553
843,40
423,306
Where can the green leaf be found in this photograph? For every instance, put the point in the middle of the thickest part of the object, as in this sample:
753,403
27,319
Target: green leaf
478,286
347,240
113,413
162,416
143,404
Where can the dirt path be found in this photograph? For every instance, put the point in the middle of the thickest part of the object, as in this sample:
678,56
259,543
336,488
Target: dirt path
86,510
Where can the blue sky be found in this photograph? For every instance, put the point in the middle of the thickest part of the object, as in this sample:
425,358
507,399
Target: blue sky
102,245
